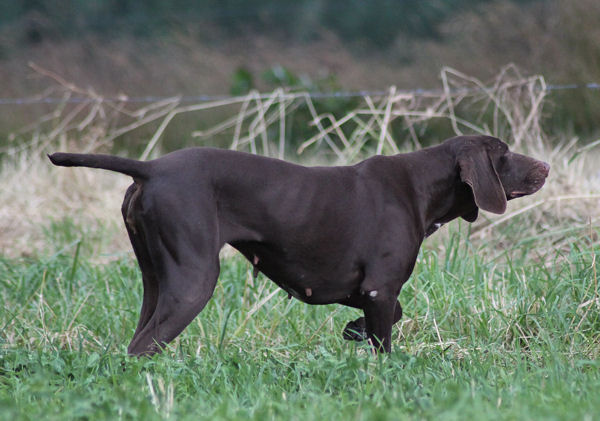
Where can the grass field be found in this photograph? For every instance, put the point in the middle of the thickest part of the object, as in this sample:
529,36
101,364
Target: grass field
486,335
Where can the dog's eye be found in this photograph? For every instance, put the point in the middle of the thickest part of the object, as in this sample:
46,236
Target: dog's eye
503,161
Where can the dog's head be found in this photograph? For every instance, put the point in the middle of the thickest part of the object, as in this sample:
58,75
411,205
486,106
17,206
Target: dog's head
495,174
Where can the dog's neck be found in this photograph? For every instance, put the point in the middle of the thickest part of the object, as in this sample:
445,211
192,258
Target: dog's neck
436,180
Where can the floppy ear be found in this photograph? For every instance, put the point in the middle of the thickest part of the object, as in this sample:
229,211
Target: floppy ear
477,171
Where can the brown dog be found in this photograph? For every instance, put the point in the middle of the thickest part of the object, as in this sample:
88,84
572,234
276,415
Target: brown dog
347,235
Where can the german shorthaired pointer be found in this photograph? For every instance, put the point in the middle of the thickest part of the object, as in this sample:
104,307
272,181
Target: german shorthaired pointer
347,235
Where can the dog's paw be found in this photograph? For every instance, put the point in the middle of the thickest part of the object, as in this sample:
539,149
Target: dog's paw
355,330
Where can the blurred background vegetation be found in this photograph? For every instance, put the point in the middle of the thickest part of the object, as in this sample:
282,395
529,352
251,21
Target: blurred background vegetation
213,47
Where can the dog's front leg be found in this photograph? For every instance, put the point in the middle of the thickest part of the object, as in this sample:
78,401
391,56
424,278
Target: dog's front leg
356,330
384,278
379,317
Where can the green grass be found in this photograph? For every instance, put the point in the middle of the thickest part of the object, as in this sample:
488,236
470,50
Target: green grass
488,333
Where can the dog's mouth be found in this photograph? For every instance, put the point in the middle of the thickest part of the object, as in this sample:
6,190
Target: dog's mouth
533,183
515,194
534,187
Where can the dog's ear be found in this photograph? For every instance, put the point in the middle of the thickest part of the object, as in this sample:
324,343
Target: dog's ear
477,170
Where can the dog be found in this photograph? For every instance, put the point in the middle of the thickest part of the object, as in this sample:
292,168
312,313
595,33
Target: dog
345,234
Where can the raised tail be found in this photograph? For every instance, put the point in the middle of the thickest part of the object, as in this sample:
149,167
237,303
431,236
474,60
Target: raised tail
132,167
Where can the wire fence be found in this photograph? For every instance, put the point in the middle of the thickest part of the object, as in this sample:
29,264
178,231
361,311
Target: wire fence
209,98
378,122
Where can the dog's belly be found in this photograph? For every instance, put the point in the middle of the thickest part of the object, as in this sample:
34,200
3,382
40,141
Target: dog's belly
305,278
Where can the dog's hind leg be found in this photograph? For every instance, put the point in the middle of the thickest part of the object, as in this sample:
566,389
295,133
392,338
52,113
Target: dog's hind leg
130,207
183,293
183,254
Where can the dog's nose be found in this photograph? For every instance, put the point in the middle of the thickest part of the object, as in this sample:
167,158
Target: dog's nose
545,168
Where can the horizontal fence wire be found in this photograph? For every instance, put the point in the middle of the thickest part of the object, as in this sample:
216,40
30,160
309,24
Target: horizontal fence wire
210,98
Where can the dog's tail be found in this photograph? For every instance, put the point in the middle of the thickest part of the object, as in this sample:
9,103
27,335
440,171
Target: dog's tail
132,167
